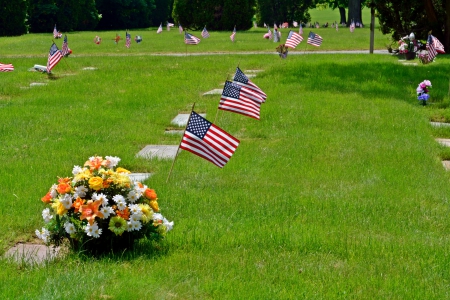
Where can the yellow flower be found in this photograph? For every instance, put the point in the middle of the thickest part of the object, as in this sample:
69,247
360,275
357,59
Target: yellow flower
96,183
154,205
86,174
59,208
147,213
122,170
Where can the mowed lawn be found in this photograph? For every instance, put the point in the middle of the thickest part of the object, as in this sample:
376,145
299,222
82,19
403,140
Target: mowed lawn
337,192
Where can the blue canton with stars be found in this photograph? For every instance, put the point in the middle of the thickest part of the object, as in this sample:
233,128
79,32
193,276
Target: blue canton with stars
240,76
53,49
231,90
198,125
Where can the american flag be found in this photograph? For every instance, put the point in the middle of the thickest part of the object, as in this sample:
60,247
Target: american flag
295,24
180,29
205,33
159,29
275,26
208,141
128,40
233,35
189,39
65,47
352,26
314,39
430,48
241,79
6,67
293,39
56,33
235,99
437,45
54,56
265,25
300,30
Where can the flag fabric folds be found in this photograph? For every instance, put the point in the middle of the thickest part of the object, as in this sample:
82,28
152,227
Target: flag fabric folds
295,24
208,141
205,33
6,67
241,79
54,56
56,33
233,35
65,47
437,45
268,35
180,28
189,39
169,25
293,39
314,39
430,48
300,30
128,40
352,26
159,29
236,99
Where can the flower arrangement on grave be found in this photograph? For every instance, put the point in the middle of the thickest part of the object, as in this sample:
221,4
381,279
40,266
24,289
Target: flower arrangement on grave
407,44
422,91
101,209
282,50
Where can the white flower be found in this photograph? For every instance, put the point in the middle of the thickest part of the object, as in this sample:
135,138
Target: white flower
80,191
66,200
93,230
112,161
136,225
46,215
129,226
121,205
158,217
53,192
107,211
44,234
118,198
169,225
133,196
102,197
76,170
69,227
134,209
136,217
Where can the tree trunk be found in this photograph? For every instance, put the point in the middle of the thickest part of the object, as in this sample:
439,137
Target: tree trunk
342,14
354,11
372,28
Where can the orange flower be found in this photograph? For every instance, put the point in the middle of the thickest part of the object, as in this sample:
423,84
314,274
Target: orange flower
47,198
95,163
154,205
77,204
90,210
63,188
150,194
124,214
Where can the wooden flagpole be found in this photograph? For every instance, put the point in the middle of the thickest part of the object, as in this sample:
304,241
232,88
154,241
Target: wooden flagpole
178,149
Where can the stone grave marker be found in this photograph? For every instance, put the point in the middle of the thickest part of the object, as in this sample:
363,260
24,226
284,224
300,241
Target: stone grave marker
182,119
159,151
32,253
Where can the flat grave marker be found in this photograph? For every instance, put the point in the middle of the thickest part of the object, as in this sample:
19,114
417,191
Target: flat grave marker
159,151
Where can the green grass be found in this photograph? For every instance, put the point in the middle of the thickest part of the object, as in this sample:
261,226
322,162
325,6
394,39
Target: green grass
337,192
328,15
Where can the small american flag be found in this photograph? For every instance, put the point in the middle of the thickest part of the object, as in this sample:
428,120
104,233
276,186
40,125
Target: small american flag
268,35
430,48
233,35
205,33
56,33
159,29
437,45
293,39
314,39
208,141
352,26
128,40
235,99
54,56
65,47
300,30
6,67
241,79
295,24
180,28
189,39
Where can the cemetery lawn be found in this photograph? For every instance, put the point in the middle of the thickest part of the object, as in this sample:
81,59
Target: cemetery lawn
337,192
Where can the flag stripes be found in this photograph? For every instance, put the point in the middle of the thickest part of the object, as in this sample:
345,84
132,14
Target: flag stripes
236,100
314,39
6,67
293,39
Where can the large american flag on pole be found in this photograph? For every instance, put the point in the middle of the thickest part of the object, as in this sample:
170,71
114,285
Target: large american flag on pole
6,67
241,79
430,48
235,99
189,39
314,39
65,47
293,39
208,141
54,56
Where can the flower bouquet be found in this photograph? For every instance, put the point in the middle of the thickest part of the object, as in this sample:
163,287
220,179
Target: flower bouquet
422,91
408,46
100,209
